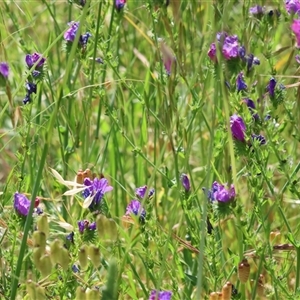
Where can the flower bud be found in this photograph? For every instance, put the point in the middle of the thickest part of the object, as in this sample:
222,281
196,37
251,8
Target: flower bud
92,294
63,258
37,254
55,249
39,239
83,256
45,265
243,271
43,225
94,254
106,228
226,291
80,294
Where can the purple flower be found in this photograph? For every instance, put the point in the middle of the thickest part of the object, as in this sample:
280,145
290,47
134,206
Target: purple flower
256,10
141,191
83,39
252,60
296,29
21,204
230,47
70,34
297,57
84,225
271,87
168,57
135,207
96,188
30,87
242,51
31,59
70,237
238,127
219,193
151,192
75,269
163,295
240,83
261,139
293,6
119,4
27,99
185,182
212,52
4,69
251,106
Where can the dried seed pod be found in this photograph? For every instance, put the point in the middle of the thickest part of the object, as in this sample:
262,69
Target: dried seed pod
243,271
226,291
43,224
83,256
63,258
39,239
80,294
55,249
45,266
260,285
219,295
214,296
35,291
94,254
37,254
106,228
92,294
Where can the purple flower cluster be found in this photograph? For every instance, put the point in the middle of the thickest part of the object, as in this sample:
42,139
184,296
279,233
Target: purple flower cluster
96,188
219,193
86,225
70,34
38,60
4,70
140,192
160,295
231,49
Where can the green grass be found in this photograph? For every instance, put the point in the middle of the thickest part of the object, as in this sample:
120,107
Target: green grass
130,121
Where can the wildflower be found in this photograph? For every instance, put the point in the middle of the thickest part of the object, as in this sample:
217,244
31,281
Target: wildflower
251,106
96,189
86,225
297,57
141,191
256,10
4,69
240,83
151,192
31,59
167,57
212,52
251,60
292,6
219,193
238,127
21,204
163,295
135,208
70,237
271,87
119,4
261,139
296,29
75,269
70,34
31,88
83,39
185,182
242,51
230,47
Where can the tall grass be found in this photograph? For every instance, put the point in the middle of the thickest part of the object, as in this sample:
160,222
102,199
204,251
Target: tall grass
126,119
